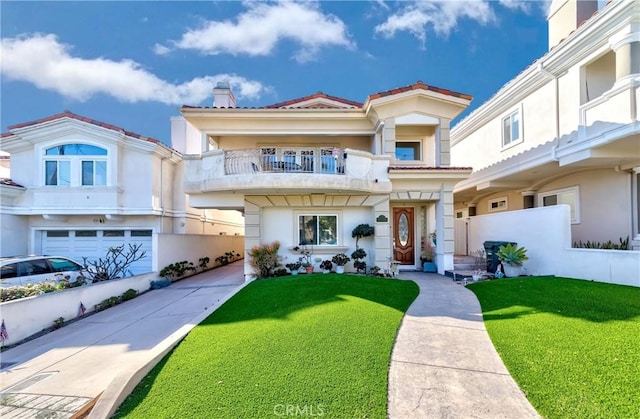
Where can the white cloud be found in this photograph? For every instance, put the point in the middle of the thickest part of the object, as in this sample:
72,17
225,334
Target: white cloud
46,63
161,49
258,30
440,16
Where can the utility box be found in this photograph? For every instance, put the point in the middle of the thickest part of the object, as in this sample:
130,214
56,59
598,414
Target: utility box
491,249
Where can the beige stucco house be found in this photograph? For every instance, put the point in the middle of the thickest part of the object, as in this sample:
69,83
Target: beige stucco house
309,170
566,130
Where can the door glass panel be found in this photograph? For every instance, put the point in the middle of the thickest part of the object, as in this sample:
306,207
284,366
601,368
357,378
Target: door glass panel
403,229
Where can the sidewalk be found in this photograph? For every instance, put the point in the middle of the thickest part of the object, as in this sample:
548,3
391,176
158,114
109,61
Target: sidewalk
58,373
444,364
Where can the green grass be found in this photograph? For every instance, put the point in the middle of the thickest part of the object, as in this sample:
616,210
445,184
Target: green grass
314,344
572,346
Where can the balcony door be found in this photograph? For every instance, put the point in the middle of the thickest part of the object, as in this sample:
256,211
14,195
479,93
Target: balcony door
403,236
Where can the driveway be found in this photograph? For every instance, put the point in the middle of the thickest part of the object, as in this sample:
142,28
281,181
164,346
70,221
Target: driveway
60,372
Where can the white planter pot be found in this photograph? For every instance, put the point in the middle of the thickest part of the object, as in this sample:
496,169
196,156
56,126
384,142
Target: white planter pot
339,269
512,271
294,272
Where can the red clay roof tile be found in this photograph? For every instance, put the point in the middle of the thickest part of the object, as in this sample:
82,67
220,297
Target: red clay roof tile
318,95
419,85
67,114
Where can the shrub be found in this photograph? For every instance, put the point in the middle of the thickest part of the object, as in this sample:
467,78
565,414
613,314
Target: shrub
115,264
326,265
264,259
129,294
340,259
177,270
375,271
362,230
29,290
358,263
203,262
623,245
58,323
293,266
511,254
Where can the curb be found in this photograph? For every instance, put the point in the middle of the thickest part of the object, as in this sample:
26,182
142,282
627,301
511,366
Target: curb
121,386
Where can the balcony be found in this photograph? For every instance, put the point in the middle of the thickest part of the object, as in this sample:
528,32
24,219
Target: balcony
286,170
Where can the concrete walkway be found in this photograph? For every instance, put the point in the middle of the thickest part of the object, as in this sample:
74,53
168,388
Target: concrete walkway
444,364
56,374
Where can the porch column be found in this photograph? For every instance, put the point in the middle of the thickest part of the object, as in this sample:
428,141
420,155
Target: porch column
443,148
445,245
626,45
382,236
251,235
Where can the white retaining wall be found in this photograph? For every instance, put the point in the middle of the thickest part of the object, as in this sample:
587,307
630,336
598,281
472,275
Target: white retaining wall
27,316
546,234
174,248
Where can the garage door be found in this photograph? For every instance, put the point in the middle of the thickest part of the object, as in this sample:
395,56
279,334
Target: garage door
93,244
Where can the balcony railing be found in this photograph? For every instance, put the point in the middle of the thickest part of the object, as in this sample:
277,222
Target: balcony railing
285,160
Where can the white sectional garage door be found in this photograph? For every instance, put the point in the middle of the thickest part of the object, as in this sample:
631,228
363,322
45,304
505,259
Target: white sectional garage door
93,244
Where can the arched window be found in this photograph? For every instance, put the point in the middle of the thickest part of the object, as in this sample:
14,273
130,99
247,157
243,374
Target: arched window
75,165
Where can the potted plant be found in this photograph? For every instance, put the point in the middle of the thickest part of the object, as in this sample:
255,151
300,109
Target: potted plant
358,257
362,230
340,260
305,259
294,267
479,264
427,257
512,258
326,266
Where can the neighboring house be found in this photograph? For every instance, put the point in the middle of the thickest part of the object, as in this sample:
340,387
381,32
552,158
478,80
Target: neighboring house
564,131
309,170
79,186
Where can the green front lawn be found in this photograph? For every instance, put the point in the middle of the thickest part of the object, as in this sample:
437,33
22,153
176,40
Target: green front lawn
311,345
572,346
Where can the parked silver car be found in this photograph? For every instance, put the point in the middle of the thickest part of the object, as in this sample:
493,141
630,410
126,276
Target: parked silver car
16,271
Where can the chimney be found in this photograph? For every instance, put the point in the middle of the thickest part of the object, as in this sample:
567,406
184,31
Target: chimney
566,15
223,96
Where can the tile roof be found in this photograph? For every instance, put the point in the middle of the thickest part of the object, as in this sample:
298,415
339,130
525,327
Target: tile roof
9,182
318,95
419,85
409,168
67,114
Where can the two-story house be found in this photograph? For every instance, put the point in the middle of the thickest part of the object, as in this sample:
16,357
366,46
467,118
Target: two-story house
566,130
79,186
309,170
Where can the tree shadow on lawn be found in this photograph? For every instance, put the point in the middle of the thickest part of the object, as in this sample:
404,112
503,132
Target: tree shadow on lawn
588,300
277,298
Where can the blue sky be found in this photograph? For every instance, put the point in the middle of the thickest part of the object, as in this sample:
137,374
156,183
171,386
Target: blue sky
133,64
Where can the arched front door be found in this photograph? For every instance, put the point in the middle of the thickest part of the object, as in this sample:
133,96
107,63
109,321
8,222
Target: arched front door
403,236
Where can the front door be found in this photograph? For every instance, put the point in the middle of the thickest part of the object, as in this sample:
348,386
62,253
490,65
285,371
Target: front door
403,236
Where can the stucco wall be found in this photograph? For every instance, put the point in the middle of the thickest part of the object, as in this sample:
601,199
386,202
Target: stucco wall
546,234
27,316
605,204
14,238
281,224
191,247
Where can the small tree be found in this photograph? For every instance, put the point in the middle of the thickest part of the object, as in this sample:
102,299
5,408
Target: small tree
358,260
362,230
115,264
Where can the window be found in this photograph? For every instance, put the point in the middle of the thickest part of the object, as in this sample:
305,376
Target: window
86,233
408,150
75,165
141,233
57,233
511,132
568,196
498,204
113,233
319,230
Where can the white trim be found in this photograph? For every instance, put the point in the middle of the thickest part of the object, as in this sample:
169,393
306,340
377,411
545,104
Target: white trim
498,208
306,213
576,204
516,110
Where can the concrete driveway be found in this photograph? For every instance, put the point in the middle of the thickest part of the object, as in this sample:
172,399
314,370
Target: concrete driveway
58,373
